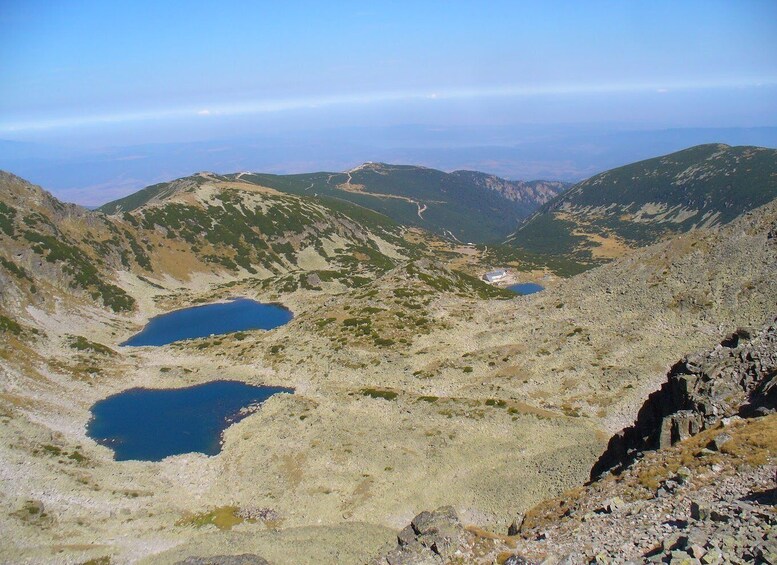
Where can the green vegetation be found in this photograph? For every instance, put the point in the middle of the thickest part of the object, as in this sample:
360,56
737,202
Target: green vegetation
7,215
638,204
52,449
545,234
15,269
105,560
150,283
7,325
246,237
56,451
444,280
141,258
379,393
324,322
524,260
81,267
224,518
459,203
159,191
80,343
496,403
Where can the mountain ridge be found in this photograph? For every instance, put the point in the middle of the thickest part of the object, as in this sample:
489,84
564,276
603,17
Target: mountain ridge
637,204
462,205
196,225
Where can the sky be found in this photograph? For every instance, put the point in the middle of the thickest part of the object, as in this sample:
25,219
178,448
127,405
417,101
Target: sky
96,74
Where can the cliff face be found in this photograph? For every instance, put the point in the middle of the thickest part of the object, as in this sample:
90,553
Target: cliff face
738,377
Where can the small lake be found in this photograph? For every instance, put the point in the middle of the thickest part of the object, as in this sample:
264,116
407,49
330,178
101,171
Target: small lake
201,321
151,424
525,288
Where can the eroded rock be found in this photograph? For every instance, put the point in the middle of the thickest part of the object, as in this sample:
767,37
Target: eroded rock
737,378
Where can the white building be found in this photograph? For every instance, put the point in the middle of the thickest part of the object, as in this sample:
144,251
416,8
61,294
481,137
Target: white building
494,276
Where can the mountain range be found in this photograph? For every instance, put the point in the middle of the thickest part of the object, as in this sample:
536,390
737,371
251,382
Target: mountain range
417,385
463,205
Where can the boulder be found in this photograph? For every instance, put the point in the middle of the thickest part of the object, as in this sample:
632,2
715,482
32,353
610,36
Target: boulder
718,442
430,538
700,511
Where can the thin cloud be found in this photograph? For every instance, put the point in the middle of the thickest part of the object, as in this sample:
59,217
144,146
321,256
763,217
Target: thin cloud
264,106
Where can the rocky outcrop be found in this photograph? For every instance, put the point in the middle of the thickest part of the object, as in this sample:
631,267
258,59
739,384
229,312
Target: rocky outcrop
720,510
738,377
431,538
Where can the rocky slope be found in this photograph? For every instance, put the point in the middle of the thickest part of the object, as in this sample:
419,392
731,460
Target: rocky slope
640,203
707,496
733,379
530,194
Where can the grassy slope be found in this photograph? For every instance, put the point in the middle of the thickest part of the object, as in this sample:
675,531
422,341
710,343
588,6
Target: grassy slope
717,182
456,203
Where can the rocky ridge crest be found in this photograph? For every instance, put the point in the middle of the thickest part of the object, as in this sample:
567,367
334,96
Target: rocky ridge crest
738,377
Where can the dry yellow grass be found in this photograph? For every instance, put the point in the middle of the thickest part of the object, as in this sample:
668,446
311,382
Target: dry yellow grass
224,518
753,442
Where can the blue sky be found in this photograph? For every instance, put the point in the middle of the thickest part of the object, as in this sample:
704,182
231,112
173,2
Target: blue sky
183,65
100,98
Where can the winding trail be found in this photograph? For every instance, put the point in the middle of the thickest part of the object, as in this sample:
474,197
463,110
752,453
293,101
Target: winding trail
453,236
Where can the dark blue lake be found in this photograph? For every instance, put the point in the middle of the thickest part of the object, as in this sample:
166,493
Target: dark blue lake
201,321
149,425
525,288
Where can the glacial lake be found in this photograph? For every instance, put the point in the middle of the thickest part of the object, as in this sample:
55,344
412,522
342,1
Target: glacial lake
151,424
525,288
201,321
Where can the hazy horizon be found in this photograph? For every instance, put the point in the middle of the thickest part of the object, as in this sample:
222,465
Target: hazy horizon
102,99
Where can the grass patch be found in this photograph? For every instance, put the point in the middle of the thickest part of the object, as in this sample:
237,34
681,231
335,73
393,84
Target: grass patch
77,456
106,560
7,325
52,449
224,518
378,393
324,322
496,403
80,343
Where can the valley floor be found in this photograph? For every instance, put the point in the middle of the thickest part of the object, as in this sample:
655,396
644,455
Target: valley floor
498,405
